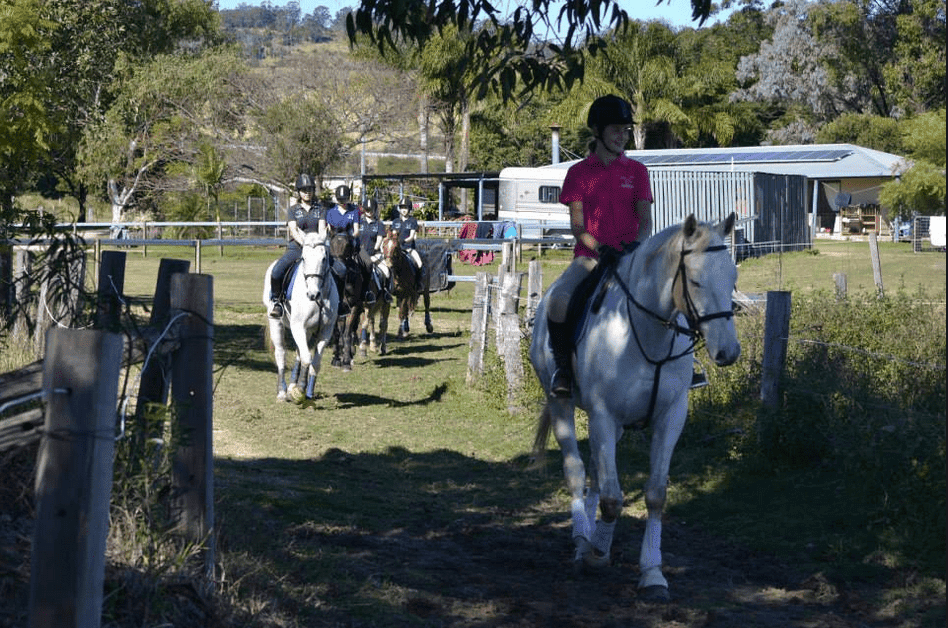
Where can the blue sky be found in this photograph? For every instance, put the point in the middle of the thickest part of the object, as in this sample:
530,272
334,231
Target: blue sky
677,12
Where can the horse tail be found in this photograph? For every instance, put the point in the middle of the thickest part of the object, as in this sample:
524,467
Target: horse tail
267,339
538,457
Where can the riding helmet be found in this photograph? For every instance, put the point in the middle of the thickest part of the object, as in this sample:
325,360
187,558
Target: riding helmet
343,194
304,181
371,206
607,110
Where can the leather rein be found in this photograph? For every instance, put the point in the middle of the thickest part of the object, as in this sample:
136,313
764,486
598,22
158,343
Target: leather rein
691,315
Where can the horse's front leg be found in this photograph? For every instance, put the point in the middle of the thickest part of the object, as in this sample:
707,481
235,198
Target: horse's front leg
667,429
275,329
305,358
322,339
427,298
382,334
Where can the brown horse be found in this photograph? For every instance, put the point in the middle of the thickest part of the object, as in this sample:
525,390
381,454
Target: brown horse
405,292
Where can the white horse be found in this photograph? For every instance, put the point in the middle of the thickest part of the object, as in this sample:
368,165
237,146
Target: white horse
309,311
633,366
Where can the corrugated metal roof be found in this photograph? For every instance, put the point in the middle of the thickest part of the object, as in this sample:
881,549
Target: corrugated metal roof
815,161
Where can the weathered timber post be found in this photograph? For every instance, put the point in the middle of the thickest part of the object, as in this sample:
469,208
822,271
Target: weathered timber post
508,336
776,333
6,280
876,264
192,394
840,280
508,262
197,256
22,282
110,288
479,314
74,478
534,291
153,385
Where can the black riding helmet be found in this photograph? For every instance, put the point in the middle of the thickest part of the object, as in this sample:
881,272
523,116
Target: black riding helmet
405,204
305,182
607,110
371,206
343,194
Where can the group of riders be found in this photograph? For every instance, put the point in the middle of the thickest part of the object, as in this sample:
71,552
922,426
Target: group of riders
362,228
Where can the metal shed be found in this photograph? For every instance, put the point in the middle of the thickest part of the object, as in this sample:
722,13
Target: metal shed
782,194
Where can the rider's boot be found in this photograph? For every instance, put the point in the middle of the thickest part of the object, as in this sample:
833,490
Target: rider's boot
276,287
561,342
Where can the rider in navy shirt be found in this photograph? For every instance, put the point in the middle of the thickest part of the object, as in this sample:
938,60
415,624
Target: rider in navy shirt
302,218
407,228
371,233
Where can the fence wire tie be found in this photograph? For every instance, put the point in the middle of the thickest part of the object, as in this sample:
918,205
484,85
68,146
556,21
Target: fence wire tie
32,397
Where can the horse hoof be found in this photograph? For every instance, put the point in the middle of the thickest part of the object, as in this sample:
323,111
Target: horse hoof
595,561
346,368
281,396
296,394
655,593
430,328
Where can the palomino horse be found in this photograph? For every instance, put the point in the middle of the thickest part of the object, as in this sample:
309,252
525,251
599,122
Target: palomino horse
406,295
370,338
633,366
309,311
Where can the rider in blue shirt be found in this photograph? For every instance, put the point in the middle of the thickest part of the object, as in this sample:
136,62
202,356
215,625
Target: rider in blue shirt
303,217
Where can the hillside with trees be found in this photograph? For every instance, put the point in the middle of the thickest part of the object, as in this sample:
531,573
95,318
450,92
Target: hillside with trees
155,108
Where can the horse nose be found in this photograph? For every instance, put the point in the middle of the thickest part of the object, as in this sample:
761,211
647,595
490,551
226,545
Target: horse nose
314,297
726,356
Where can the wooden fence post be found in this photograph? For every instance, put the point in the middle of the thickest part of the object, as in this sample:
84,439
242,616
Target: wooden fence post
776,332
22,282
110,288
153,385
508,261
6,281
74,478
508,335
534,291
840,280
876,264
479,313
192,380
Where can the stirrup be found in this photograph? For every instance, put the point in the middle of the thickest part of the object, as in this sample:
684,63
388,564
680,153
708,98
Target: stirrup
698,380
561,384
276,309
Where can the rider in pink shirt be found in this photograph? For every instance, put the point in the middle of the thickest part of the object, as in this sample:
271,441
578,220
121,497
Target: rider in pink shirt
610,206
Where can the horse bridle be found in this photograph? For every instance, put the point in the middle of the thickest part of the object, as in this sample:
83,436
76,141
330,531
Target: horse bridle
324,269
691,314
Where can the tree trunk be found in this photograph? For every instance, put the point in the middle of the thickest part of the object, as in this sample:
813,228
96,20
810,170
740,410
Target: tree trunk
423,118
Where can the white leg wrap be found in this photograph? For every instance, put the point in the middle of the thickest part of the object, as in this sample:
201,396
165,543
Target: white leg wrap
581,523
602,536
592,503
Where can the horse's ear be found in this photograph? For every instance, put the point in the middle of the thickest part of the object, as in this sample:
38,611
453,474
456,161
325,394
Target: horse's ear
690,226
727,226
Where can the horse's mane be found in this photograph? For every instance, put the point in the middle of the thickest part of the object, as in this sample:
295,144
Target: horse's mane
667,241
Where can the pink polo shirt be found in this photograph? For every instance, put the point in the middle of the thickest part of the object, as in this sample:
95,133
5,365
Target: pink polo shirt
609,194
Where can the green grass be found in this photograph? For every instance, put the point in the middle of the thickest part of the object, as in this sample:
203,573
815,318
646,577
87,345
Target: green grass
405,433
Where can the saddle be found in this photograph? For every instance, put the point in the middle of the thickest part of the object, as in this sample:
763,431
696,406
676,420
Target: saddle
589,294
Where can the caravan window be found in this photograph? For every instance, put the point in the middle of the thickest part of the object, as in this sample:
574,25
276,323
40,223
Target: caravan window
549,194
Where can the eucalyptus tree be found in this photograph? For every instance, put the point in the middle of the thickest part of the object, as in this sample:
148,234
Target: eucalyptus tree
89,38
163,112
26,87
301,134
521,51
